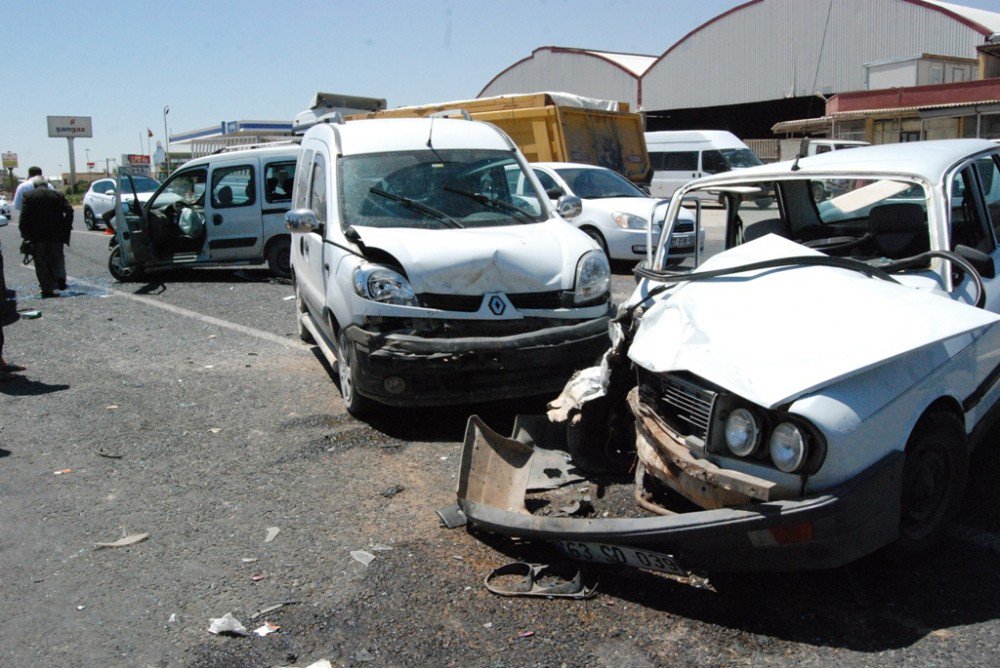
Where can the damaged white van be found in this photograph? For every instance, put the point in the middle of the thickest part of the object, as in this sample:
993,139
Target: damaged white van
425,280
806,397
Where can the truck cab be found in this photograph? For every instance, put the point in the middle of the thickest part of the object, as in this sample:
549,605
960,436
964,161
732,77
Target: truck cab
425,280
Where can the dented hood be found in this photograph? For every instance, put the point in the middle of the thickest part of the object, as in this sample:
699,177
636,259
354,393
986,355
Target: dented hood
538,257
771,336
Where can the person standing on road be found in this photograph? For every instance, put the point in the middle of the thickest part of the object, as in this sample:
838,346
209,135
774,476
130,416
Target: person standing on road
7,370
46,221
26,187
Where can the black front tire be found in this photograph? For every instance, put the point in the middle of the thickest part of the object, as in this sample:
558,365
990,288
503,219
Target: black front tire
120,273
89,220
279,257
347,372
934,475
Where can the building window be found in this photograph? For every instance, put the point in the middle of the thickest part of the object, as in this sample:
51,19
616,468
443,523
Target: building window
852,130
885,131
941,128
936,74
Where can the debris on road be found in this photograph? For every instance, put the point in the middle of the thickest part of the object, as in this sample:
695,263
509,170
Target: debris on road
62,471
227,625
379,547
392,491
537,580
131,539
108,455
112,407
525,634
258,577
215,430
272,532
248,560
271,608
267,629
363,557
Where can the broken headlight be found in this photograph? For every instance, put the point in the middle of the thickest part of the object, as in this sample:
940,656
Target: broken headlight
384,285
593,277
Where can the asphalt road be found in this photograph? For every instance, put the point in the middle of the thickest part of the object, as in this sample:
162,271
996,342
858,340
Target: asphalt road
187,409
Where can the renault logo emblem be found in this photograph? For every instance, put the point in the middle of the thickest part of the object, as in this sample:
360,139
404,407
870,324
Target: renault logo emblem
497,305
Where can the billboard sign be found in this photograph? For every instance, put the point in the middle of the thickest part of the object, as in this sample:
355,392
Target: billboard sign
70,126
137,163
9,160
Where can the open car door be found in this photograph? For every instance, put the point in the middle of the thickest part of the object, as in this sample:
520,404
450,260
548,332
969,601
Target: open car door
131,224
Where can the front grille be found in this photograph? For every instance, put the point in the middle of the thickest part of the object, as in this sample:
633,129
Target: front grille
459,303
553,299
683,226
540,300
685,406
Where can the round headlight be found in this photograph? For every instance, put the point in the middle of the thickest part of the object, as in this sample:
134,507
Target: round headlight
383,285
742,432
788,447
593,277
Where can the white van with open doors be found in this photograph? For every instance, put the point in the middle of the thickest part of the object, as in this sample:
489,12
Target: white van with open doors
679,157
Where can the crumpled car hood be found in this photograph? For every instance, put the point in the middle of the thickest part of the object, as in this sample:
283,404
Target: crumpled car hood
773,335
473,261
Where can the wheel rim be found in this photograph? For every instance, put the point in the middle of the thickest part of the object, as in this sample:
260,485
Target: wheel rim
88,219
925,491
344,370
116,265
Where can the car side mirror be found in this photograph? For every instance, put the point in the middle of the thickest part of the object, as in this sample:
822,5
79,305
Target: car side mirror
555,192
569,206
301,221
979,260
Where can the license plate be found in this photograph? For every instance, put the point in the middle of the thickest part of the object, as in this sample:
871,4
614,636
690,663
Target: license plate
682,242
619,555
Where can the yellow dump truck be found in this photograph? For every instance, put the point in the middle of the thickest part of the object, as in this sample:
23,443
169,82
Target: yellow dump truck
555,127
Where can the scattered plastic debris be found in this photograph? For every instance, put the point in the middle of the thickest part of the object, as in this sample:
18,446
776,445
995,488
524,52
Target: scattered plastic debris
379,547
112,407
62,471
131,539
539,580
267,629
31,315
488,625
258,577
109,455
173,618
215,430
271,608
363,557
227,625
209,366
288,298
248,560
392,491
525,634
80,607
271,533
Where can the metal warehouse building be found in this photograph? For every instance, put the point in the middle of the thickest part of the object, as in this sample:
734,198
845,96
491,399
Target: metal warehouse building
767,61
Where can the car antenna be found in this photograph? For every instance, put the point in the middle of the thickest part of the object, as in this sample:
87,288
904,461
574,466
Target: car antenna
795,165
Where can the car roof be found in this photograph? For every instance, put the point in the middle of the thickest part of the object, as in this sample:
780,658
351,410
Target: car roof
383,135
279,148
930,160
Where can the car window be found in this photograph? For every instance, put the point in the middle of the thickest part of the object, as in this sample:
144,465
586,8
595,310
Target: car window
233,187
967,226
590,183
317,188
738,158
435,189
712,162
187,187
142,184
674,161
989,177
301,172
547,181
278,180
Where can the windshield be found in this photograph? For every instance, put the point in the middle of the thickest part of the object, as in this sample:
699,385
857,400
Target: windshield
738,158
435,189
144,184
598,183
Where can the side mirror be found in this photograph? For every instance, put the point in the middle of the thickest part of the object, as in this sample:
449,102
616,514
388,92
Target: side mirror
569,206
301,221
555,192
980,261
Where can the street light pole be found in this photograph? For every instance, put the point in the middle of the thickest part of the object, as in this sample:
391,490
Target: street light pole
166,135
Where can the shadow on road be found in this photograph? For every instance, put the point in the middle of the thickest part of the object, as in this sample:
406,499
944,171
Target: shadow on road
19,386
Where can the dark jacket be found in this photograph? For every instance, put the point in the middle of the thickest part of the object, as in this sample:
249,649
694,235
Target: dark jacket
46,215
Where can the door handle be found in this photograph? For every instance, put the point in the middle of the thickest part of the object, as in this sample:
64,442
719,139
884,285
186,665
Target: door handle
217,219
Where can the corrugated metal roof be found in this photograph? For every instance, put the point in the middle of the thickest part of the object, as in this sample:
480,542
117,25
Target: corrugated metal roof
990,20
635,63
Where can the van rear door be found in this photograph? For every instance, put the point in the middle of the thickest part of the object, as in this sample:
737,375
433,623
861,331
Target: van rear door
233,218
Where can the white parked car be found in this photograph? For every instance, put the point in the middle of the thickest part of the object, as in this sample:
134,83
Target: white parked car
100,198
425,280
4,207
615,212
810,395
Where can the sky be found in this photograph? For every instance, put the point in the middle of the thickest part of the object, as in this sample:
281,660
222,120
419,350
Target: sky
121,62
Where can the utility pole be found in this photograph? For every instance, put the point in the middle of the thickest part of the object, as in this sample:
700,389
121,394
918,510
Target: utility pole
166,135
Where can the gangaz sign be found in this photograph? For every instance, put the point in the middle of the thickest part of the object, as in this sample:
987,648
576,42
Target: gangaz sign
70,126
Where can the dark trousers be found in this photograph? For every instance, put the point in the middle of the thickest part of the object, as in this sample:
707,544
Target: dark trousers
50,264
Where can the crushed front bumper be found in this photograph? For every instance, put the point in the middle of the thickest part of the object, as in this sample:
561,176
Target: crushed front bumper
423,371
821,531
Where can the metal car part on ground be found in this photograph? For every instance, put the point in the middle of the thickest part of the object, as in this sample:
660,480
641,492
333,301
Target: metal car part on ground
791,408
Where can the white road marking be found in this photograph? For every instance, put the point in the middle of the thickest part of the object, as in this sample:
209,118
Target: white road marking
218,322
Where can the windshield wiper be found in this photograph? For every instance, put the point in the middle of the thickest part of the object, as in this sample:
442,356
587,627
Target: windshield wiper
414,205
491,203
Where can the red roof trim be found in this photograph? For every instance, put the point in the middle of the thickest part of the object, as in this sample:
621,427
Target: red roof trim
978,27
